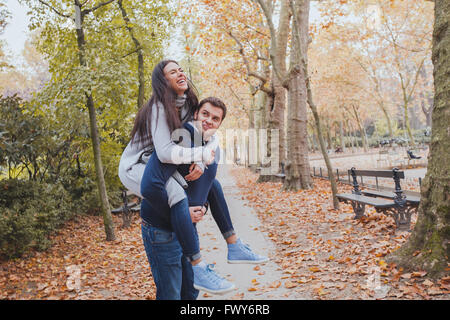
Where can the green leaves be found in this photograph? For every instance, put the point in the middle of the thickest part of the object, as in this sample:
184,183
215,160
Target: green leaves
110,74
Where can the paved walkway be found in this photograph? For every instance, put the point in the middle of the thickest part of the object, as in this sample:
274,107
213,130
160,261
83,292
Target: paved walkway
246,224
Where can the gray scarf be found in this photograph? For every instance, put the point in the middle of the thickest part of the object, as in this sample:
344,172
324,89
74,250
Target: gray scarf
180,100
180,103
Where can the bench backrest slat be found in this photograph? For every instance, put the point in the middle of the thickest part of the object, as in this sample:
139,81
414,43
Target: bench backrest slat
377,173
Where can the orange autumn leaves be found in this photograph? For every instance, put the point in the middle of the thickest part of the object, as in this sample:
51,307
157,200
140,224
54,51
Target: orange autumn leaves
324,253
108,270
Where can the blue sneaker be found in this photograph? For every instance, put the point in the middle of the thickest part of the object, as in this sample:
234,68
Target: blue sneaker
241,253
206,279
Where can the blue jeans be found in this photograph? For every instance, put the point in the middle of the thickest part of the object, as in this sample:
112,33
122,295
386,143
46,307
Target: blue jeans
172,272
219,209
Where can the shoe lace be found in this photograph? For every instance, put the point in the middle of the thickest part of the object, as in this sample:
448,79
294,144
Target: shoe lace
247,248
212,275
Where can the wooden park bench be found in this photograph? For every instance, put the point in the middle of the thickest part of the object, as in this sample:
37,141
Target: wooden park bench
392,203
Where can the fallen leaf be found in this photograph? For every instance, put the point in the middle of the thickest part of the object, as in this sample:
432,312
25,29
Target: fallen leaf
418,274
237,296
290,284
428,283
433,291
275,284
314,269
321,292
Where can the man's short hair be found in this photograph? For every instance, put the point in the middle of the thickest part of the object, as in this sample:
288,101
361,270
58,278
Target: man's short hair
216,102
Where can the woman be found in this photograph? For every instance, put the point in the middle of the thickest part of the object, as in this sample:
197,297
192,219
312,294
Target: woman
172,103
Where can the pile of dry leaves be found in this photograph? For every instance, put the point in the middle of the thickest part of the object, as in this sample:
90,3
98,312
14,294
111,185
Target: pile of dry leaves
325,253
104,270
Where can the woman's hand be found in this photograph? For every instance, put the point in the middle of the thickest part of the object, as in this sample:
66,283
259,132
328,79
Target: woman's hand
194,172
197,213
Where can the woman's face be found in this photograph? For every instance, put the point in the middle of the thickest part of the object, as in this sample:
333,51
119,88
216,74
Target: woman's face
176,78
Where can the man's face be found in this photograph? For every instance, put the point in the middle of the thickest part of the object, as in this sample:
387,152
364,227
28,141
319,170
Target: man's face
208,118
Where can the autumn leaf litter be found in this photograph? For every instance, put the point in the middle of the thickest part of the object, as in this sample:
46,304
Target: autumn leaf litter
325,253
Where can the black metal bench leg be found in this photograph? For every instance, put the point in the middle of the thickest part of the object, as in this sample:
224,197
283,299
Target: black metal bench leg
402,217
126,213
359,209
407,213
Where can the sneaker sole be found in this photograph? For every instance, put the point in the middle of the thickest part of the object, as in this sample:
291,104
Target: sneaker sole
247,261
223,291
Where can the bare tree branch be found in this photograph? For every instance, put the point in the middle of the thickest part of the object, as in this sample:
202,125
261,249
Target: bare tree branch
98,6
55,10
267,10
250,73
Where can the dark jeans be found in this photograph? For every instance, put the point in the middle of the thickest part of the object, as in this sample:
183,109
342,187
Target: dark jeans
172,272
219,209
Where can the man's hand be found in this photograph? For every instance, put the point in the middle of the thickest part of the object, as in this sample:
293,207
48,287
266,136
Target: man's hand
212,159
194,173
197,213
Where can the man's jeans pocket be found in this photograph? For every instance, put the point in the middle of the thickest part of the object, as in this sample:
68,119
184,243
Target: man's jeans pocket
156,236
159,236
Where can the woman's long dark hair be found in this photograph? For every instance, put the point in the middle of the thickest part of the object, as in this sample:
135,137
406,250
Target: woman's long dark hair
163,93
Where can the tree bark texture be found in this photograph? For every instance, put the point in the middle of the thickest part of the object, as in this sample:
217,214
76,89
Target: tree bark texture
279,102
428,246
106,211
298,174
140,56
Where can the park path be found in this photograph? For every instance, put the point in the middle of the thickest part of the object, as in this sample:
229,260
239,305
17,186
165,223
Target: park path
246,224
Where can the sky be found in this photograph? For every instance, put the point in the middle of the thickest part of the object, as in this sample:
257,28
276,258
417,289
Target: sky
16,31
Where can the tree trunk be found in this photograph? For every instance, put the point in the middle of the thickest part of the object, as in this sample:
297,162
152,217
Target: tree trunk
388,119
407,123
279,103
298,175
351,135
341,136
304,65
328,133
277,100
137,44
427,111
362,130
427,248
106,211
